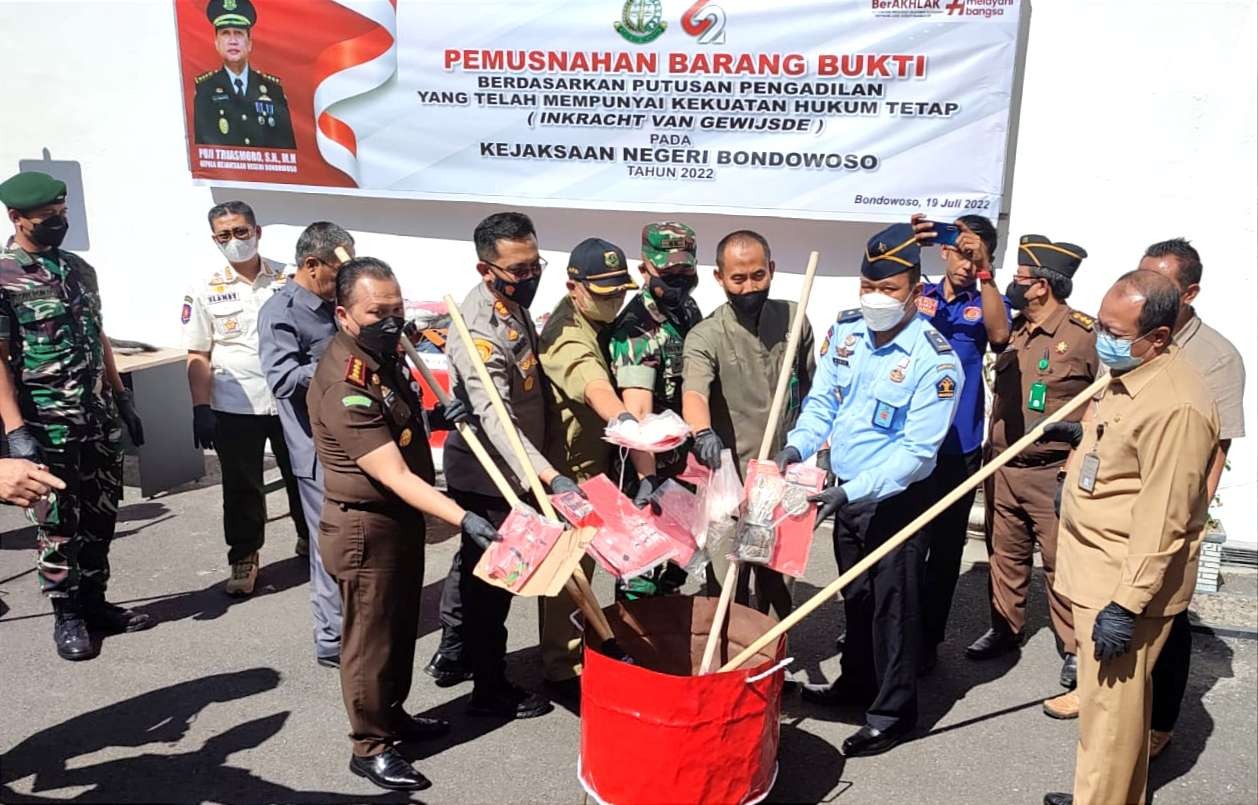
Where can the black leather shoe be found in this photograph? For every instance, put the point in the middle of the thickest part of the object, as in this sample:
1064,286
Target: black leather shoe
869,741
447,671
507,701
389,770
420,728
113,619
835,694
329,660
69,631
1058,798
995,641
567,692
1069,672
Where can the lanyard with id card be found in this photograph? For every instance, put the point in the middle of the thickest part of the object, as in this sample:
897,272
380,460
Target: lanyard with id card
1091,464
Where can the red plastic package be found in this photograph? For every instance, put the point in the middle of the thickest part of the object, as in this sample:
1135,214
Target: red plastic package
627,544
792,539
679,513
526,540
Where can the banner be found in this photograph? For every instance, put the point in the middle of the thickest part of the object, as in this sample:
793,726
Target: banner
829,109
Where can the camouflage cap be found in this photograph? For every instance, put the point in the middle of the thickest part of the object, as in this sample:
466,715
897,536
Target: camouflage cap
601,266
668,243
30,189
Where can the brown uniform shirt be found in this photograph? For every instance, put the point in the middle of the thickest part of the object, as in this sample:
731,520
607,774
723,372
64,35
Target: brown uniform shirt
737,370
1061,352
1134,538
356,405
1221,367
572,358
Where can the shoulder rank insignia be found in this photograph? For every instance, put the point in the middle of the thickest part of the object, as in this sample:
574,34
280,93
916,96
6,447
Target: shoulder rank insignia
849,315
937,341
1082,319
500,308
356,372
203,76
274,79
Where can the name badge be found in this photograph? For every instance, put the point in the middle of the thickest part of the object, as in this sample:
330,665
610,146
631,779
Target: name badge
1088,469
883,414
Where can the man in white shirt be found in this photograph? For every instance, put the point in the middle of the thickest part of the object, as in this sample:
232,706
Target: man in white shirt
233,411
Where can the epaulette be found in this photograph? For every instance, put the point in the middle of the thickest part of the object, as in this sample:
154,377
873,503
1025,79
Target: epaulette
274,79
937,341
849,315
203,76
1082,319
356,372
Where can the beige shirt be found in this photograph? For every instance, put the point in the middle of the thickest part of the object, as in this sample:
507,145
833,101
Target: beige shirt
572,359
220,316
1135,537
1218,362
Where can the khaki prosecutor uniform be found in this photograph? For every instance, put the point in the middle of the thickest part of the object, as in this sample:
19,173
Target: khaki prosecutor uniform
736,368
1133,540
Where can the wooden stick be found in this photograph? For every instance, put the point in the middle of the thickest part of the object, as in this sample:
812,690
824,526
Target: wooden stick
766,444
578,586
465,430
904,534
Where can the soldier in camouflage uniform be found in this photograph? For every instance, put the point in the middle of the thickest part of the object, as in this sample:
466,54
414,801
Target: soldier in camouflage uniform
61,400
644,349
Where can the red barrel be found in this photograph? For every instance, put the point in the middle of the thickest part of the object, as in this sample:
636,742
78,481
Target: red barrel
656,732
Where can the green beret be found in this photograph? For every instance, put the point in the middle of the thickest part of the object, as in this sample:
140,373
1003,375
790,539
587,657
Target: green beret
30,189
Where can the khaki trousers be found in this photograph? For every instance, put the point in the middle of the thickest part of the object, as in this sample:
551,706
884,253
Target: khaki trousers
560,640
1020,514
1115,703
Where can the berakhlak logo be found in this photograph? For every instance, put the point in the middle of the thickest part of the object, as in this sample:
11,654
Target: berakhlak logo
706,21
956,7
641,21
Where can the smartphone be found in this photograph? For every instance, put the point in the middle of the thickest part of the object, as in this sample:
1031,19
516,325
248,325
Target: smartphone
945,234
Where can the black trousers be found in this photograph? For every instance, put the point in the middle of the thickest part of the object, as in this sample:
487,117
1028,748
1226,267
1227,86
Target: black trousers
451,615
239,440
881,606
944,542
484,606
1170,674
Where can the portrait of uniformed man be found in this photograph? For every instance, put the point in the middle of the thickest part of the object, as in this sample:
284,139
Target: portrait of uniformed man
238,104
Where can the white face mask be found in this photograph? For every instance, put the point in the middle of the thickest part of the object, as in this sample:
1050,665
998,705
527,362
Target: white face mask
881,312
239,251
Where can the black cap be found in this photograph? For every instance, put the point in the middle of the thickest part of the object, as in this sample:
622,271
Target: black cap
231,14
1059,258
892,251
601,266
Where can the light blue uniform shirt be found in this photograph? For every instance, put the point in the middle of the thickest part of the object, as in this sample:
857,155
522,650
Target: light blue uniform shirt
885,411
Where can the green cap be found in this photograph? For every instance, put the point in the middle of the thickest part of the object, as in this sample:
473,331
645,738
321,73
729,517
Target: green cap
30,189
231,14
668,243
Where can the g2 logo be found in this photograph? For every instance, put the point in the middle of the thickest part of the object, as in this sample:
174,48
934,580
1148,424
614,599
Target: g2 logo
706,21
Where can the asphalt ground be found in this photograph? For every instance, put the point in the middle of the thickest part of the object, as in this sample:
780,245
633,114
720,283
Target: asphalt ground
223,702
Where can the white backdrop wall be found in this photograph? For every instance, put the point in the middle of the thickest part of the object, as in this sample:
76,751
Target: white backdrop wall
1137,124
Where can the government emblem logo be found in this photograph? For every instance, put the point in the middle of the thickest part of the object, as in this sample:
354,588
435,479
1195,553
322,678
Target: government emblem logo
641,21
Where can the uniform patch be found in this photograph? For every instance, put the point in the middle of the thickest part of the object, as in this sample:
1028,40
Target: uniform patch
484,348
1062,347
529,382
825,344
927,306
405,438
937,341
185,315
356,372
528,362
231,326
897,375
500,308
972,313
946,388
356,401
883,414
513,334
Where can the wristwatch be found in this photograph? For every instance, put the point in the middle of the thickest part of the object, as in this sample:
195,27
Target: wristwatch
984,275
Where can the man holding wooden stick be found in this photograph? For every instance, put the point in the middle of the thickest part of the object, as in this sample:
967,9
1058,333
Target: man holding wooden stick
884,396
1132,515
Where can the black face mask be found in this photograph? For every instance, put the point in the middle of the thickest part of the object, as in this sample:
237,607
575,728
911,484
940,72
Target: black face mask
381,338
1016,292
519,291
51,231
749,305
672,290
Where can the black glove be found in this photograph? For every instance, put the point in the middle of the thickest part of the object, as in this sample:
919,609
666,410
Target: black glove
1111,634
21,443
203,427
830,500
446,417
648,492
1069,432
562,483
823,461
788,456
126,412
479,530
707,448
